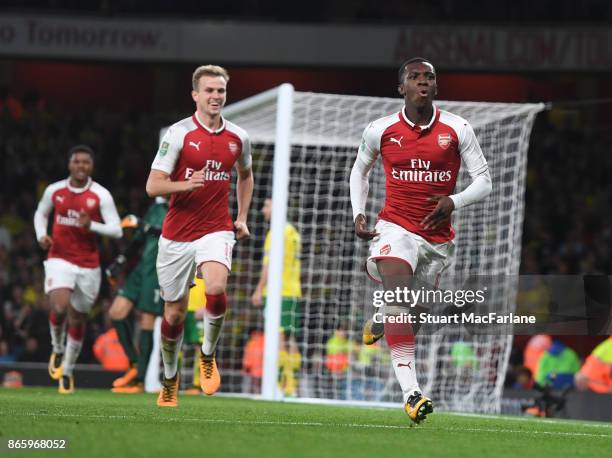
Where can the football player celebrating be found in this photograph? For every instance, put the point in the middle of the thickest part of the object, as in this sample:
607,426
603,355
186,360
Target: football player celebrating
82,208
421,148
194,165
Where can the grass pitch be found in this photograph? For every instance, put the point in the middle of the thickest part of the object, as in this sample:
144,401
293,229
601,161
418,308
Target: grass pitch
101,424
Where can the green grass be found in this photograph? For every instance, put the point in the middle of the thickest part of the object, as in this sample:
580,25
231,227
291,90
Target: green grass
98,423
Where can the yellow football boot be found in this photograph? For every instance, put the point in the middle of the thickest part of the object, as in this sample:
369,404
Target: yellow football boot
372,332
418,407
66,384
55,365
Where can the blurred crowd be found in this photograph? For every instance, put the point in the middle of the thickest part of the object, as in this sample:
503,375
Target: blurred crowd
34,142
568,228
551,363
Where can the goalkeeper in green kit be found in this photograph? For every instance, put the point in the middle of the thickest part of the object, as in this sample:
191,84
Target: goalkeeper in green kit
141,289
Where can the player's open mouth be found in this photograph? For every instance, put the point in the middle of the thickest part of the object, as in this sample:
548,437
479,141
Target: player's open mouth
424,92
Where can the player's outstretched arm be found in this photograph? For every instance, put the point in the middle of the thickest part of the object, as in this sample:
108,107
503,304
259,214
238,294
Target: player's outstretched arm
160,184
244,194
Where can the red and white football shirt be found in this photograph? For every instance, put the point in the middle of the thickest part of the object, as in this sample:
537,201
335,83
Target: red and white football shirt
72,242
420,162
186,147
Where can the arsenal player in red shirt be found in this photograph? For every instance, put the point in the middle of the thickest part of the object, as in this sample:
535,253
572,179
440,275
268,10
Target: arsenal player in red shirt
81,209
194,165
422,148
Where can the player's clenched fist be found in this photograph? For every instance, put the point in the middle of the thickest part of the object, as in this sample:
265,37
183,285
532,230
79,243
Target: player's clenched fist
440,214
242,231
84,219
196,180
361,229
45,242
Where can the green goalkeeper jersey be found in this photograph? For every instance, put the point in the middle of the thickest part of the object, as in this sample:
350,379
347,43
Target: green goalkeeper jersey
149,232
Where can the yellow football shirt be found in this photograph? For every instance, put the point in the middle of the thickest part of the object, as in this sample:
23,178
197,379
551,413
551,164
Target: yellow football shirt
197,297
292,284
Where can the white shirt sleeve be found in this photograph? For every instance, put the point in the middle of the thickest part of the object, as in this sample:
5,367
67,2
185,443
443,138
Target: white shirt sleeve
169,150
111,227
477,167
41,216
369,149
244,160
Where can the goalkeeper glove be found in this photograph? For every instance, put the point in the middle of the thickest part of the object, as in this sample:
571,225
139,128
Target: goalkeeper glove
130,222
115,268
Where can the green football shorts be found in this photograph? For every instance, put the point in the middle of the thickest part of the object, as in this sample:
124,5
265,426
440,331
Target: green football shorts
192,334
291,313
142,289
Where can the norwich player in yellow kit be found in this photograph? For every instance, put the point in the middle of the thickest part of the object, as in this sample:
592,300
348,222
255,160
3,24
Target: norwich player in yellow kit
289,357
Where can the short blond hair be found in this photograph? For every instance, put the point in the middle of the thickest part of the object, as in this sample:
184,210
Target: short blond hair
208,70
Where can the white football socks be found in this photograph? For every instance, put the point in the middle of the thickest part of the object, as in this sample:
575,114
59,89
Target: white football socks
212,330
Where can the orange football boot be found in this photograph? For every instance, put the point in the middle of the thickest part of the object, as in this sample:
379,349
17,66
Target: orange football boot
126,378
210,380
168,395
132,388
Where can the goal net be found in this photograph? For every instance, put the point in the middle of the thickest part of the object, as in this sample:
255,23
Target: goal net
459,372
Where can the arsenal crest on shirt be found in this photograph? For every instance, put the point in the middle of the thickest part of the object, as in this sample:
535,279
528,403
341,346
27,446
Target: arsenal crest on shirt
444,140
233,147
91,203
